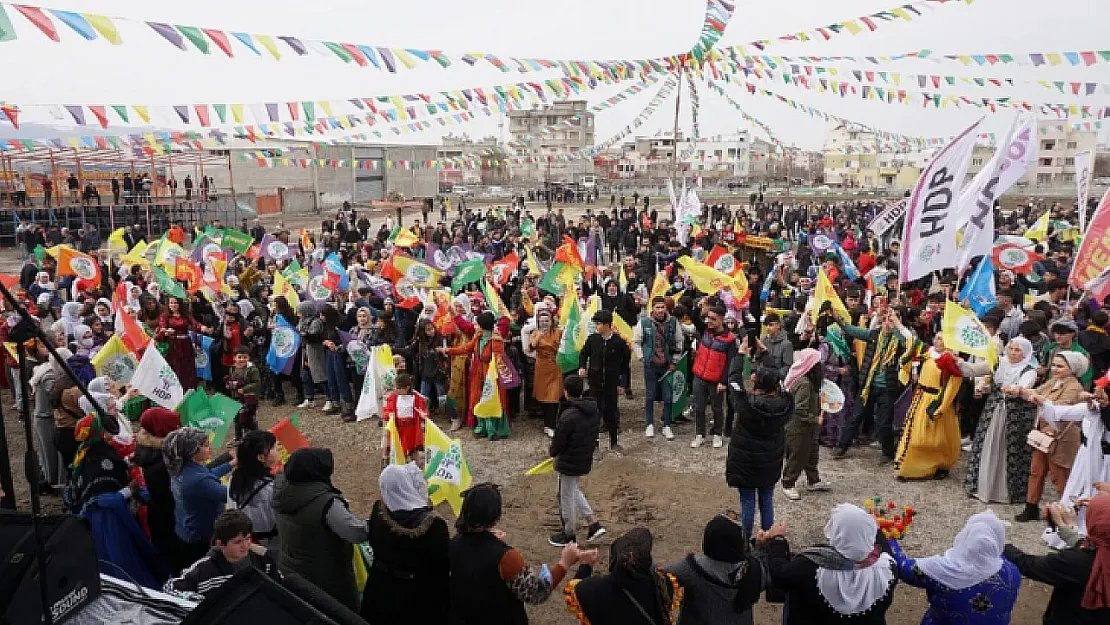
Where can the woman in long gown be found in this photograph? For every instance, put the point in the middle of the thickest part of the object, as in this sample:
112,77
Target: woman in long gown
548,386
486,344
998,468
930,442
174,328
838,366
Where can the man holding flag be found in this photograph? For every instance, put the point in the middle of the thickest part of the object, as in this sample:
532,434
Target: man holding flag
603,359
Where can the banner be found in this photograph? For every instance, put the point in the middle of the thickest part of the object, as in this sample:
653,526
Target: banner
1082,186
975,210
928,237
156,380
1094,252
885,220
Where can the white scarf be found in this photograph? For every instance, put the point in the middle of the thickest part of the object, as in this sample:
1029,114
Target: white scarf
975,556
851,531
1009,373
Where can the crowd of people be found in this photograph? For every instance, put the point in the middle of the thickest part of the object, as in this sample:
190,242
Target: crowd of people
568,306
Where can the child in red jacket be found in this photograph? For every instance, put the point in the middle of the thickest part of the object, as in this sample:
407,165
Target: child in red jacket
407,410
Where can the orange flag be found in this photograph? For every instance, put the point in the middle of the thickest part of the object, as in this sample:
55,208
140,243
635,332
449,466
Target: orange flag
74,263
187,270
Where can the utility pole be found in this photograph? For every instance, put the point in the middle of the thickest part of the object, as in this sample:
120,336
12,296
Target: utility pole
674,136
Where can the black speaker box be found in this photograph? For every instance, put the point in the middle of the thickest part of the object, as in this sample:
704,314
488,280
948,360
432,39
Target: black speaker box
252,597
72,576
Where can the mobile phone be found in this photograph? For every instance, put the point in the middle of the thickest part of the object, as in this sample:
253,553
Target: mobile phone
753,336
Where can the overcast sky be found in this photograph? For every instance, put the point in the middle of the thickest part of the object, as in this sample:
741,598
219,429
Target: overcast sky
148,70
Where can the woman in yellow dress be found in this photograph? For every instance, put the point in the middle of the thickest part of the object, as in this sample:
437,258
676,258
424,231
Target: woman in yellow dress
930,442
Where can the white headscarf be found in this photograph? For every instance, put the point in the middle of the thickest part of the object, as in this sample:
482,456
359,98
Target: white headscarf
1009,373
976,554
1077,362
851,531
71,315
403,487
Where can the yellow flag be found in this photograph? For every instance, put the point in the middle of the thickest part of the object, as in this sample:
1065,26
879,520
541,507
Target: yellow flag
489,405
1039,231
405,238
533,266
396,453
282,287
136,256
622,279
448,473
116,242
710,281
547,466
592,306
658,287
167,253
824,292
963,332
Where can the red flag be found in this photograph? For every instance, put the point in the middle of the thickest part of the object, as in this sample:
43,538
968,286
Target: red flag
500,271
721,260
1014,258
130,332
187,270
568,254
289,439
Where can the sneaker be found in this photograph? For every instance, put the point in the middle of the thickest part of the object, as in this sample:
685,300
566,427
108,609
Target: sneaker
791,493
697,441
328,405
818,486
456,425
649,431
595,532
560,540
717,442
667,433
549,432
1030,513
308,403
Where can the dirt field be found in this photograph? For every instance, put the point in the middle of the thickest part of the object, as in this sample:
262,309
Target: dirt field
665,486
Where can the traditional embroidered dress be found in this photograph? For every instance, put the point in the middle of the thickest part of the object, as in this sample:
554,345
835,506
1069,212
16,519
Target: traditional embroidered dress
482,348
931,436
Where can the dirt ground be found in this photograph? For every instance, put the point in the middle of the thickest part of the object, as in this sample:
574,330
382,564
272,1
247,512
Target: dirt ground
665,486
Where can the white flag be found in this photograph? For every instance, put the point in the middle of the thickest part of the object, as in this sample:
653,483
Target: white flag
1009,164
156,380
929,236
1082,186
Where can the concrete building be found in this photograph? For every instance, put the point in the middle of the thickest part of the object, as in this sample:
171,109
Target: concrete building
720,157
480,150
293,188
1057,145
762,156
855,157
544,150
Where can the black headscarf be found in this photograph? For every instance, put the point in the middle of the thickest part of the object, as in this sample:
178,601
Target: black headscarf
310,464
486,320
724,540
481,508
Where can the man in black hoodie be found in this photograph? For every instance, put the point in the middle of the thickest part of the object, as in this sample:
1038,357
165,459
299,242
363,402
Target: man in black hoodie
572,447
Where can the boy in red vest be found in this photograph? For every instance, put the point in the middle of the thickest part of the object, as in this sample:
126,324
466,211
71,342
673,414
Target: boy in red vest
407,410
714,354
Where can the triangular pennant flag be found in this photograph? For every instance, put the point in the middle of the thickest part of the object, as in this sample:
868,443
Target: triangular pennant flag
40,20
194,35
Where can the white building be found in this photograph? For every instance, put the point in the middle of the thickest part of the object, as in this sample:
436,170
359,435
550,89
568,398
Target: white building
547,153
722,156
1057,145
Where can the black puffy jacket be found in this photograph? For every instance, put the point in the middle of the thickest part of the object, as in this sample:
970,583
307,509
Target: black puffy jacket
758,441
576,436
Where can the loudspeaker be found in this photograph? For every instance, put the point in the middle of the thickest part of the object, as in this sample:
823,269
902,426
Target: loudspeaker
250,596
72,577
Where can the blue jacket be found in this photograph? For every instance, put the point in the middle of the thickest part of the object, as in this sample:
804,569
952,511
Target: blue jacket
199,498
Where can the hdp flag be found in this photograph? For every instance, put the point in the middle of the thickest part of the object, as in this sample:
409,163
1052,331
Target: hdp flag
824,292
447,472
679,393
334,266
963,332
274,249
238,241
212,414
115,362
156,380
489,404
468,272
168,285
284,342
978,293
130,332
567,356
202,348
74,263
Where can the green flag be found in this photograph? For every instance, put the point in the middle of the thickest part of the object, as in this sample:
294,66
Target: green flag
465,273
7,32
679,386
550,280
238,241
40,253
199,411
567,356
168,285
291,268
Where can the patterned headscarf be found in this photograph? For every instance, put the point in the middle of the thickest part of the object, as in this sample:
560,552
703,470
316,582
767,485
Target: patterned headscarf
89,431
180,446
